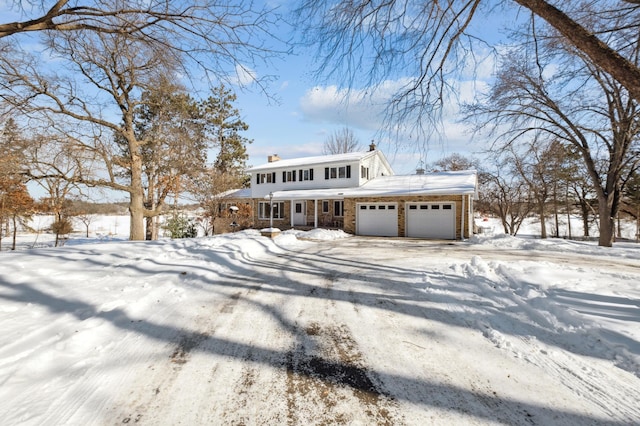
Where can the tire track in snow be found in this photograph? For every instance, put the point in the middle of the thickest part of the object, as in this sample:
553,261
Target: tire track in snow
328,372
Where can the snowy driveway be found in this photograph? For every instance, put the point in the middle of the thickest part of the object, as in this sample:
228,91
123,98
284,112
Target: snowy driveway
239,330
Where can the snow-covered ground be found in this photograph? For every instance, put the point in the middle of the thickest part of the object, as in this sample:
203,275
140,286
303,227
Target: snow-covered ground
320,328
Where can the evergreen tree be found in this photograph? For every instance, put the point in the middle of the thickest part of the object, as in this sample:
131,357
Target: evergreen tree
224,124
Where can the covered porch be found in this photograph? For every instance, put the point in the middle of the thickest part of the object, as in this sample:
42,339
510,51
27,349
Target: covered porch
321,208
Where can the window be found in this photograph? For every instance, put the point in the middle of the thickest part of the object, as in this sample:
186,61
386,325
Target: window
325,206
363,207
337,172
413,207
338,208
424,207
435,207
305,174
298,208
382,207
392,207
265,178
446,207
364,172
289,176
263,210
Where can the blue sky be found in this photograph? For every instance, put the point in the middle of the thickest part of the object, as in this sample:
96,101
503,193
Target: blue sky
309,111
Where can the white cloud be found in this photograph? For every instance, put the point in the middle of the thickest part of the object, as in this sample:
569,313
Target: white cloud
362,108
245,76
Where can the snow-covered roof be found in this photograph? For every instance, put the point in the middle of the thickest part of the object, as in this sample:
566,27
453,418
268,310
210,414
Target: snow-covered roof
310,161
236,193
438,183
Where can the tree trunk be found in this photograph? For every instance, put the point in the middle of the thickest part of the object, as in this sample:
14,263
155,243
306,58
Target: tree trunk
555,211
543,225
148,234
15,232
136,201
607,235
584,208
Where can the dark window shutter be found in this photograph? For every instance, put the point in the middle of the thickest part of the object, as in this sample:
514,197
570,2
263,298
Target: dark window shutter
326,173
310,174
273,177
293,175
300,175
284,176
348,172
258,179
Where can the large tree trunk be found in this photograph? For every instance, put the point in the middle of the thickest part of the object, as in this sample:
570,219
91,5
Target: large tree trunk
136,201
605,211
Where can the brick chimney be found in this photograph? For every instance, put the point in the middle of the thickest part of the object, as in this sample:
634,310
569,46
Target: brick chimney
273,158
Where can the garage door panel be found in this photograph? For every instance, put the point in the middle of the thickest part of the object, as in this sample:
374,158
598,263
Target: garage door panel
377,219
431,220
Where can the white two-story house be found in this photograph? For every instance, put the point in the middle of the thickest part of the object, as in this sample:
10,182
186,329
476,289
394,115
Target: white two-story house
359,193
309,191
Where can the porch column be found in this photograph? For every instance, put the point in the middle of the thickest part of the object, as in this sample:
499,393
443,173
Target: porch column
315,213
291,210
462,213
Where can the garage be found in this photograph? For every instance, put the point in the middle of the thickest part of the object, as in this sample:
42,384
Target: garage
377,219
431,220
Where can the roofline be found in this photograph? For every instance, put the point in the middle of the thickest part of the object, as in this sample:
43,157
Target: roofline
320,159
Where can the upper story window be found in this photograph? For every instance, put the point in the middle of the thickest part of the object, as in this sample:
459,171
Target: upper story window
265,178
364,172
289,176
297,175
305,174
343,172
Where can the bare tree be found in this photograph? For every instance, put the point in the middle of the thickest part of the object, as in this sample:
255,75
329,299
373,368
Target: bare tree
504,193
454,162
432,41
211,189
341,142
113,53
221,38
577,105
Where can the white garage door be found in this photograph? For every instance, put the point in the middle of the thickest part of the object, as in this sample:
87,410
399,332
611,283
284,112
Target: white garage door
431,220
379,219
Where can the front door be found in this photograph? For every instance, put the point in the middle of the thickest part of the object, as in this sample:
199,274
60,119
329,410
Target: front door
299,213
